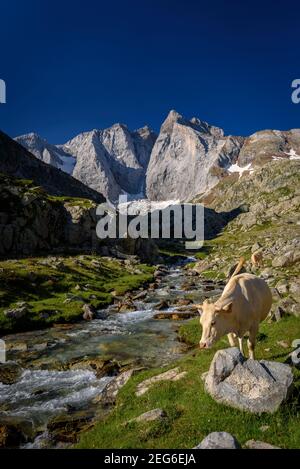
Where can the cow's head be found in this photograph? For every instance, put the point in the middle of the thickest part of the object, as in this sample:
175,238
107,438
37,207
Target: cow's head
214,319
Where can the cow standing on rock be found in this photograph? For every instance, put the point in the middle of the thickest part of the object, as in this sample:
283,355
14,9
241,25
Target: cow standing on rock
244,303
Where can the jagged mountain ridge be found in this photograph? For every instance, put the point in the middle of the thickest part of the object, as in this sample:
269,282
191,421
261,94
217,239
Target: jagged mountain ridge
18,162
187,158
111,161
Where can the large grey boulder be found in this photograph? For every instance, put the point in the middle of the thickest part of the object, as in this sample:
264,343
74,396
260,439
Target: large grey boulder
150,416
250,385
219,440
256,444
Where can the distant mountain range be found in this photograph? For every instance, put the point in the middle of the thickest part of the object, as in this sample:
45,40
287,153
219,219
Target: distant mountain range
187,158
18,162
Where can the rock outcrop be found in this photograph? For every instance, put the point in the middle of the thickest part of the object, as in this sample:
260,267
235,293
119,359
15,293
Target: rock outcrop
219,440
32,222
171,375
249,385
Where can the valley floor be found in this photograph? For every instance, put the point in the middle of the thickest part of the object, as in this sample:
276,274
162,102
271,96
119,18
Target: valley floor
191,414
37,292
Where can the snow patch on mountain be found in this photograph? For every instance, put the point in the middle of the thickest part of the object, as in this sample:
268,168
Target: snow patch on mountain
235,168
144,206
291,155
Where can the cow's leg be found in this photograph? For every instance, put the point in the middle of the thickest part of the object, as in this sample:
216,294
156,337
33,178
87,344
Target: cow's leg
241,345
252,341
231,340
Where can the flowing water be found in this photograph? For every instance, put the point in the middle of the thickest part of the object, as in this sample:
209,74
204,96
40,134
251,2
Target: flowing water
48,387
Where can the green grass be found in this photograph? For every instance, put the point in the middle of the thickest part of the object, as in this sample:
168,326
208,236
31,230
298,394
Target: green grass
46,290
73,201
191,413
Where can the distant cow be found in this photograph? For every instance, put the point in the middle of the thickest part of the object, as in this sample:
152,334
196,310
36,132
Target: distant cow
244,303
257,259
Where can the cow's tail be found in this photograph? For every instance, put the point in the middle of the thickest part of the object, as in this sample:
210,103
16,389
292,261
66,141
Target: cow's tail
238,267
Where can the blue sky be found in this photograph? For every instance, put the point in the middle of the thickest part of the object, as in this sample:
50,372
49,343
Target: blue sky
74,66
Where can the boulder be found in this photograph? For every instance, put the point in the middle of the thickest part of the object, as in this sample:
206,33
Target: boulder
126,306
65,428
171,375
10,436
99,366
150,416
295,289
10,372
140,296
249,385
182,301
219,440
284,260
279,313
111,391
256,246
176,315
163,304
253,444
16,313
282,287
295,310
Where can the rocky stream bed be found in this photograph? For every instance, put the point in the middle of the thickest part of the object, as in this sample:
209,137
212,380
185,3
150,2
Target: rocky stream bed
60,380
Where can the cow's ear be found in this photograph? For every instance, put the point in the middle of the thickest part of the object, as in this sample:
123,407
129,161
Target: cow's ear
224,307
227,308
199,308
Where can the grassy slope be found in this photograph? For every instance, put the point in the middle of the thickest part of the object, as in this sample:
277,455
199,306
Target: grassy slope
191,413
45,288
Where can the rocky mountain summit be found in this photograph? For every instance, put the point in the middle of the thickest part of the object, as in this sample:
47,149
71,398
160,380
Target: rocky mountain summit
188,157
48,153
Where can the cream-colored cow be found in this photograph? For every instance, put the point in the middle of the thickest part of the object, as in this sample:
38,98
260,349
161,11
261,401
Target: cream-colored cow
257,259
244,303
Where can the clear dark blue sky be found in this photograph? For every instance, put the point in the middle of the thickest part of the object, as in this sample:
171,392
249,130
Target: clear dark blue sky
76,65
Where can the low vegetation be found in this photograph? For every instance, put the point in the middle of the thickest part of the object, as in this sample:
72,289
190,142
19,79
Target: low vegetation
55,288
192,413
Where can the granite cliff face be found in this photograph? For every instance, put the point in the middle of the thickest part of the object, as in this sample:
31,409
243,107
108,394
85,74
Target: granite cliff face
189,157
111,161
